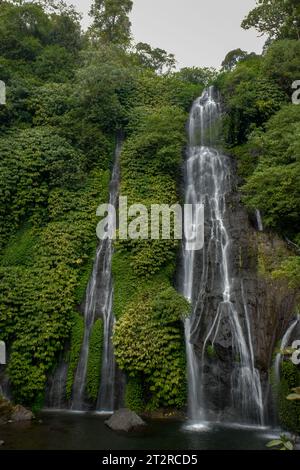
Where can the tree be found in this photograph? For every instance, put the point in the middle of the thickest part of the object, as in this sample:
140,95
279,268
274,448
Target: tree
282,63
279,19
197,76
156,59
111,21
274,185
233,58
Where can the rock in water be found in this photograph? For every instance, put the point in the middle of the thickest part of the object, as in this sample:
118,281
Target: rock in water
125,420
13,414
21,414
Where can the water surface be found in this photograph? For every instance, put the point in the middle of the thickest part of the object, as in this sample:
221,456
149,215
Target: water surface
82,431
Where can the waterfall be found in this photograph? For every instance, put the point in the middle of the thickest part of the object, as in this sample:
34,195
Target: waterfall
285,343
208,282
106,396
78,400
56,393
259,221
98,304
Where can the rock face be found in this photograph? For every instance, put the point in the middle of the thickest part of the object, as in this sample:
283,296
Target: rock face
269,305
125,420
15,414
21,414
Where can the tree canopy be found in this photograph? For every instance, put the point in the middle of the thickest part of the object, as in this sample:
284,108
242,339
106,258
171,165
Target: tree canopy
111,20
277,19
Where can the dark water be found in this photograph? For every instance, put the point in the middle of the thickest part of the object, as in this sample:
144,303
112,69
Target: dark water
72,431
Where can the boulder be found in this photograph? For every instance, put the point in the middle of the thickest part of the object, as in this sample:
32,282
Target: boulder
13,414
6,409
20,413
125,420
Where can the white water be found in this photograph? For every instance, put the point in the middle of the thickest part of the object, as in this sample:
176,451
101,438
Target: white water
57,392
285,343
98,304
259,221
106,396
89,320
208,181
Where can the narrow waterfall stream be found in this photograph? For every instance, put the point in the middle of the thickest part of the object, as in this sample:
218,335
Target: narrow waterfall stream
215,324
106,397
259,221
98,304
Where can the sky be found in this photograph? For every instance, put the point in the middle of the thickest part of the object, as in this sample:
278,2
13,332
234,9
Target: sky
199,32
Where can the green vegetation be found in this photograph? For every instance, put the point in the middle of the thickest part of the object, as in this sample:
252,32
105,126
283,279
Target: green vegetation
69,94
276,18
148,336
134,397
261,130
77,333
95,361
282,443
289,411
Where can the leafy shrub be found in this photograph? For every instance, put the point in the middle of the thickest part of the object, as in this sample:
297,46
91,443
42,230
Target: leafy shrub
134,396
289,411
95,360
77,334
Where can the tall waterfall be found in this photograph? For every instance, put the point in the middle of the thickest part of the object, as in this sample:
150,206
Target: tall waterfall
98,304
208,283
106,396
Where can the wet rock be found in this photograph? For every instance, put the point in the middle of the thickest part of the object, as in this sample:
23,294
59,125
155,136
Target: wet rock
12,414
21,414
125,420
6,409
2,443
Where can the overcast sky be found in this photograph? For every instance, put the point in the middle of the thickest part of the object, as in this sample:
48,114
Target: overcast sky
198,32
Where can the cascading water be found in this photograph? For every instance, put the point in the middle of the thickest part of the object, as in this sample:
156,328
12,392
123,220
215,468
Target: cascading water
285,343
78,401
106,396
98,304
56,397
207,278
259,221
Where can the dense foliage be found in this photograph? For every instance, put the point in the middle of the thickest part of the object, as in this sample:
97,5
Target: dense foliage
261,129
289,411
95,360
148,336
68,93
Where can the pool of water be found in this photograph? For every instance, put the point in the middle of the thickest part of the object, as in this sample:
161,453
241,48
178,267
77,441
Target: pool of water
77,431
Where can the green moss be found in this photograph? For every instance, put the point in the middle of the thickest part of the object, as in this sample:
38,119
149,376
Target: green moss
39,403
289,411
134,396
95,360
74,354
211,352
